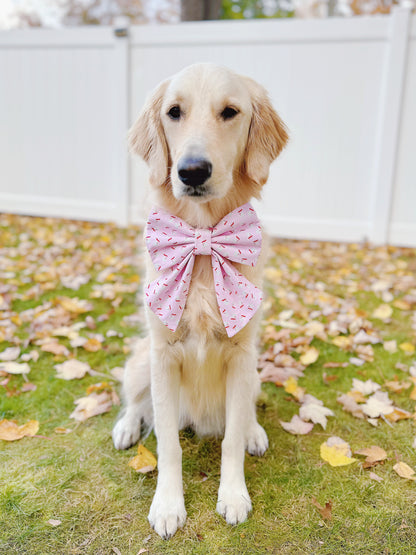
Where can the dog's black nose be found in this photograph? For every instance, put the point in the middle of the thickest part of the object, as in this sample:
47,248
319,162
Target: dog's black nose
194,171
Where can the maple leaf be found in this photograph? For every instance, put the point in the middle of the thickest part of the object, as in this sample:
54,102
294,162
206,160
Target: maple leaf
315,412
378,404
75,305
325,512
144,461
11,431
336,452
55,348
297,426
72,369
366,388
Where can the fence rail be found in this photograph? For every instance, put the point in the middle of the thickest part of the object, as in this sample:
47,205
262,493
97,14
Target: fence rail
345,88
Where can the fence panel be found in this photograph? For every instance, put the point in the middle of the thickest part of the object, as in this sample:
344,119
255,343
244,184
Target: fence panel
403,214
60,112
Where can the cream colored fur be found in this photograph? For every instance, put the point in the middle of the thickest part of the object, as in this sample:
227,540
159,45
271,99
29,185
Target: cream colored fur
197,376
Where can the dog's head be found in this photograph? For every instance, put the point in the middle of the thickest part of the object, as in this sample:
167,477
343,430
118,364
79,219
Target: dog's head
208,130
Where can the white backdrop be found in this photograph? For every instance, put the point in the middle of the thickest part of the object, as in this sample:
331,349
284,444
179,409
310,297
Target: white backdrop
345,88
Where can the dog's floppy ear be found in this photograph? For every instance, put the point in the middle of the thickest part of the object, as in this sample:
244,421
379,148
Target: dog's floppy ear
267,135
147,138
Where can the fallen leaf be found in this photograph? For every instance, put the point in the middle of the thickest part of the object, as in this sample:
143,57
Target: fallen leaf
297,426
366,388
396,386
291,386
373,454
144,461
404,471
390,346
72,369
92,345
375,477
310,356
9,354
316,413
350,405
335,365
62,430
75,305
383,312
336,452
92,405
378,404
398,414
407,347
325,512
15,367
11,431
55,348
54,522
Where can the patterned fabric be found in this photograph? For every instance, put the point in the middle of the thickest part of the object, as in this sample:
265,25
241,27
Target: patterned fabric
173,245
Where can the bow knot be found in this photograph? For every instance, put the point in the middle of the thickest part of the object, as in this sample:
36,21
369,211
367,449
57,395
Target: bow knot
202,241
173,245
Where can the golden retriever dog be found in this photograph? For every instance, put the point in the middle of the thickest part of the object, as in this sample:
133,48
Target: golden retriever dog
208,136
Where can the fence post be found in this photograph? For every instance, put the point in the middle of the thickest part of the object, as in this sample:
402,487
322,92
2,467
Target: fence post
389,125
121,73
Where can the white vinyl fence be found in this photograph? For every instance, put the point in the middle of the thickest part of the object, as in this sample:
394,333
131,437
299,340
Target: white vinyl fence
346,88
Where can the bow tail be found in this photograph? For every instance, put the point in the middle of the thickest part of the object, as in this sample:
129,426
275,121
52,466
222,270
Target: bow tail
238,299
166,295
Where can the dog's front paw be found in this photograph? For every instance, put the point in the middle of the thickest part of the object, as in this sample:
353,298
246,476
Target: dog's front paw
167,514
126,431
257,442
234,504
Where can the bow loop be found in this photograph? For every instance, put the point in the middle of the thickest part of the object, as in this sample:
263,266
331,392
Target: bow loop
173,245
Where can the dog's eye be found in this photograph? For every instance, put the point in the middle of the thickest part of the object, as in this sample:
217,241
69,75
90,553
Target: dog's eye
174,112
229,113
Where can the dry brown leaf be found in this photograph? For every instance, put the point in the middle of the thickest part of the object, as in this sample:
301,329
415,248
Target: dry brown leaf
144,461
11,431
373,454
325,512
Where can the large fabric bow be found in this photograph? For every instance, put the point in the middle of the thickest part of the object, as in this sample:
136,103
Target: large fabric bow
173,245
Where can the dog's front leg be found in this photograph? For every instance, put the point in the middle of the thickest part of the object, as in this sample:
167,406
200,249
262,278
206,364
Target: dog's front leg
167,511
233,499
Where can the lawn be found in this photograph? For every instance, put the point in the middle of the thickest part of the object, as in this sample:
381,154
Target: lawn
333,312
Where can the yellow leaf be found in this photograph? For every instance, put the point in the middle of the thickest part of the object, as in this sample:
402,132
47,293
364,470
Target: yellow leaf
144,461
401,304
92,345
10,431
404,471
407,347
343,342
75,305
310,356
398,414
383,312
291,386
336,454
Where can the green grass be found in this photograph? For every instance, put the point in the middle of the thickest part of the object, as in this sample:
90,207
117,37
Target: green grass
80,479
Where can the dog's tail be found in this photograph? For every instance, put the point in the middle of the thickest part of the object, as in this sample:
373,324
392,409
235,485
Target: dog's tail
136,418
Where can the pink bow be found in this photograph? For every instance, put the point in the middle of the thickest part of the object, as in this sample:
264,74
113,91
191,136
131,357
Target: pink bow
173,245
